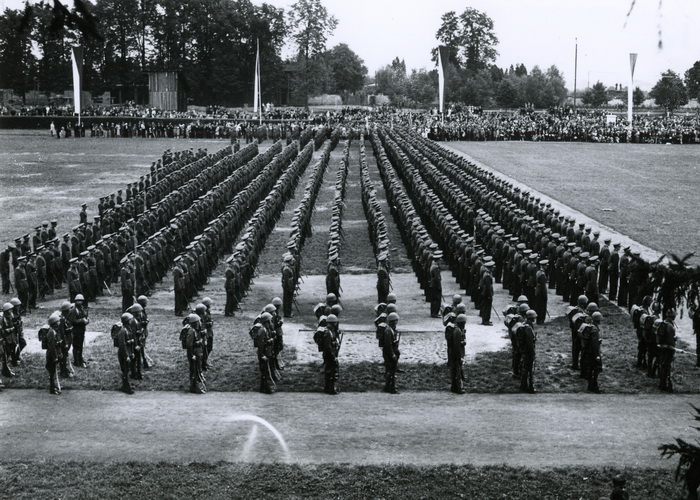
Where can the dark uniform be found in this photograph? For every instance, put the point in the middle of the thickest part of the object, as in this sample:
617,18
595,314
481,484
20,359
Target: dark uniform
456,346
391,353
666,339
435,286
526,341
332,339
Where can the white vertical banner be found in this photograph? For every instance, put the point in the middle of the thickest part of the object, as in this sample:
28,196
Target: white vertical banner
76,54
630,89
441,82
257,104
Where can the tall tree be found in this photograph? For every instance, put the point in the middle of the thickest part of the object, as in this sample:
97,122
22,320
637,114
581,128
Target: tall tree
638,96
348,69
692,80
669,91
16,58
470,39
595,96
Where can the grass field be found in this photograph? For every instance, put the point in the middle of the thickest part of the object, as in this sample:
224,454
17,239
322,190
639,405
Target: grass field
649,192
222,480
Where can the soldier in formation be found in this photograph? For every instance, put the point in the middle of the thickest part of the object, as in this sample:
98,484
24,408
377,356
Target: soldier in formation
390,351
456,337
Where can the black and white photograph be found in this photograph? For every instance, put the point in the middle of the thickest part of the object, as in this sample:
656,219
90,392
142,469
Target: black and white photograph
329,249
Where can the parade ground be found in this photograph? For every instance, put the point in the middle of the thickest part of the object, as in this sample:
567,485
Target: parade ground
559,443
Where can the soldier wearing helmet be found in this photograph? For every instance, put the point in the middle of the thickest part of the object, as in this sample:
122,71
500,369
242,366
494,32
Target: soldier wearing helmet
289,285
143,323
456,299
594,360
666,339
265,343
391,352
332,340
125,351
456,344
527,338
577,316
66,330
79,317
513,308
8,338
277,324
136,310
19,330
195,344
52,341
208,325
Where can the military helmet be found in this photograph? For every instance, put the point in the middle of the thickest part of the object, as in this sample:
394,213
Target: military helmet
531,314
277,301
331,298
522,299
127,317
523,308
266,316
200,308
270,308
79,297
656,307
15,301
461,308
135,308
53,319
336,309
143,300
456,298
582,300
647,300
671,314
390,308
462,318
391,297
7,306
331,318
65,306
592,307
597,317
207,301
393,317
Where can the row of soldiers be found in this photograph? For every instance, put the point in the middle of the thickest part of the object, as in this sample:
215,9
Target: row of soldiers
268,341
65,330
376,226
301,227
336,228
129,338
329,339
388,339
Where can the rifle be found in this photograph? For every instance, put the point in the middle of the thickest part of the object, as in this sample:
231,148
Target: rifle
494,310
294,301
108,290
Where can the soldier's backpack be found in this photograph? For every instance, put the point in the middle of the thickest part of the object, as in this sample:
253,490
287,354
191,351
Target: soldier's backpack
114,331
636,313
577,321
511,320
381,328
253,334
183,336
510,310
318,337
570,313
648,327
43,333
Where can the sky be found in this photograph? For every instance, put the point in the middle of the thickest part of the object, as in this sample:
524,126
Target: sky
532,32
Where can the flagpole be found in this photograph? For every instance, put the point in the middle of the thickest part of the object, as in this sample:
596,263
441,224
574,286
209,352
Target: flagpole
633,61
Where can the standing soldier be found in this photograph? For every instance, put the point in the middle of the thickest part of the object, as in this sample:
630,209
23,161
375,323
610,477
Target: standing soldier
332,340
333,276
7,339
135,326
125,354
591,279
66,329
21,283
456,345
486,287
648,321
265,343
604,269
32,280
288,286
383,278
541,292
83,214
180,287
51,341
625,263
208,324
390,350
614,271
5,269
74,286
19,330
128,283
595,362
666,338
196,345
435,289
230,287
143,323
79,318
526,341
277,323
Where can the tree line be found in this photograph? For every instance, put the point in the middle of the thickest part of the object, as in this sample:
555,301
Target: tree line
212,42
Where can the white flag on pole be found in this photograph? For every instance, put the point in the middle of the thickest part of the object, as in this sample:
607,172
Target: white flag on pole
257,104
77,60
441,82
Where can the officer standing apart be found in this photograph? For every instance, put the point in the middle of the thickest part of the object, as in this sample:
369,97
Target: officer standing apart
456,345
526,341
390,350
332,340
435,285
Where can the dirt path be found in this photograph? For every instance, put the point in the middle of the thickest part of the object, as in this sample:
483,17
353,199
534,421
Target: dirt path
521,430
